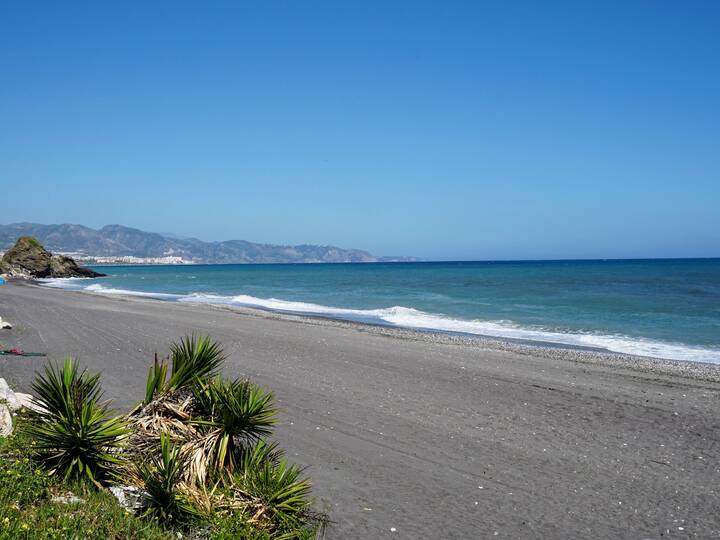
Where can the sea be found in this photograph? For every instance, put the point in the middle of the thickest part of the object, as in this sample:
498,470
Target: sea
668,308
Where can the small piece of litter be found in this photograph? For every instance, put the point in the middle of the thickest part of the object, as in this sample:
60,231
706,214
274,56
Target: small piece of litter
393,529
67,499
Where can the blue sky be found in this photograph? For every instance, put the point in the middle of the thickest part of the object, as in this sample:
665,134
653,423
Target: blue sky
445,130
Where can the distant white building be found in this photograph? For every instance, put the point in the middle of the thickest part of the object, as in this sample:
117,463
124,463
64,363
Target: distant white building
128,259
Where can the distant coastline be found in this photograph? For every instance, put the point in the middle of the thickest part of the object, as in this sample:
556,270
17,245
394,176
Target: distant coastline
119,244
90,261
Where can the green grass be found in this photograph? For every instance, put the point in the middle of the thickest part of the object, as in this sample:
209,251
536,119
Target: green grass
33,241
27,510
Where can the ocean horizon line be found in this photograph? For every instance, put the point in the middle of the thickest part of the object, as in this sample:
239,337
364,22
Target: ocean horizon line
396,263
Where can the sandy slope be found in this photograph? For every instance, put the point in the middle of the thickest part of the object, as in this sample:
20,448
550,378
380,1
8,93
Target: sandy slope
435,440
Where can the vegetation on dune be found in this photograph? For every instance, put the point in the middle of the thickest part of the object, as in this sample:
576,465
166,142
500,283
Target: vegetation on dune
74,433
196,449
164,491
32,507
237,415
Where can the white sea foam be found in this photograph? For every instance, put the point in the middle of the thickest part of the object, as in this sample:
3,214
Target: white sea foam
64,283
412,318
97,288
405,317
79,284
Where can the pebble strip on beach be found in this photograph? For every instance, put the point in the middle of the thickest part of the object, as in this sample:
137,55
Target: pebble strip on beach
655,366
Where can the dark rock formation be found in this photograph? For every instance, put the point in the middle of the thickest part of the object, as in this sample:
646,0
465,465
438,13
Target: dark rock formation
27,258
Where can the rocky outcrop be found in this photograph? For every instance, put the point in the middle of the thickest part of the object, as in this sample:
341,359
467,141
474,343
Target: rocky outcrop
61,266
28,259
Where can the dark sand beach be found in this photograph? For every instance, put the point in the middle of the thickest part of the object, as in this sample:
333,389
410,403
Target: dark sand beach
410,436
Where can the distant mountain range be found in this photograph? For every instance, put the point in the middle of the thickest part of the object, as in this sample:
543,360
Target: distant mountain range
113,241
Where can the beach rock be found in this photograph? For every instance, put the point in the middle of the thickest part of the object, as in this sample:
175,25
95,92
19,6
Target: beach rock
29,259
6,426
8,397
28,402
17,400
67,499
129,497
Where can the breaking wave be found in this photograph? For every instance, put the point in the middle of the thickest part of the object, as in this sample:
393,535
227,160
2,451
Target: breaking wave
406,317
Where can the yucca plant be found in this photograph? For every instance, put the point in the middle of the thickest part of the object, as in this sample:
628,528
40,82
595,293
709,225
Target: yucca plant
192,360
76,437
160,477
256,456
282,488
156,379
218,460
237,414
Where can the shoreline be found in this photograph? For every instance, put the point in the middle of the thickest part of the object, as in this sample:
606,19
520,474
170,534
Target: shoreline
701,371
415,435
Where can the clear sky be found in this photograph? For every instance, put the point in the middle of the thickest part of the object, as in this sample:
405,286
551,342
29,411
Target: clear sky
445,130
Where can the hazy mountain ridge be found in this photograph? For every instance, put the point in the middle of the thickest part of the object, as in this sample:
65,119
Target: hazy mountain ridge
117,240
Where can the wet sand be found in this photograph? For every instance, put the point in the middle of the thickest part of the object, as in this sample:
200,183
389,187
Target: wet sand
432,436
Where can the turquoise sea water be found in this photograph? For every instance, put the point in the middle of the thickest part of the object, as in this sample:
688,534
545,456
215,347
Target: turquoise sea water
664,308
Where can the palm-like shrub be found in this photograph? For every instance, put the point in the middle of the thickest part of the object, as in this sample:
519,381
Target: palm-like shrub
156,380
192,360
76,437
160,475
237,414
196,447
219,460
281,487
